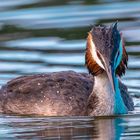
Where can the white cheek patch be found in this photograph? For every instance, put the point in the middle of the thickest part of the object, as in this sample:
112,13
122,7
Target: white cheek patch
94,55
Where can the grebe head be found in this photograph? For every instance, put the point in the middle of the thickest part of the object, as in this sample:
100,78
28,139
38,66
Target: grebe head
106,52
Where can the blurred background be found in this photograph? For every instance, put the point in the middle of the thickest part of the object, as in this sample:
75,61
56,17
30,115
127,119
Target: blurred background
39,36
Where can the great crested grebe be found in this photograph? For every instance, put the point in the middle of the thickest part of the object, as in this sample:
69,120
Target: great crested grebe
70,93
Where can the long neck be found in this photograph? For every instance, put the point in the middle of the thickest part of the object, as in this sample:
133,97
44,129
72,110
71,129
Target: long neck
107,102
101,100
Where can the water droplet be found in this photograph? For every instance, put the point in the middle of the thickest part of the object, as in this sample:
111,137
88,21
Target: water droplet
38,84
71,98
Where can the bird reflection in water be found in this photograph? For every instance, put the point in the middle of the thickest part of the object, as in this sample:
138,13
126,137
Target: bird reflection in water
71,128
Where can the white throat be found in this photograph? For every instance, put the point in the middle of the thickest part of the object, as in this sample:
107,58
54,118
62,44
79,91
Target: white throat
103,91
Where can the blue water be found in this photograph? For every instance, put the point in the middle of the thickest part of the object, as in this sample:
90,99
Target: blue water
44,36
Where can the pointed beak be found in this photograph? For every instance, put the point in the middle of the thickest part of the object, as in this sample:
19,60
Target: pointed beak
110,73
